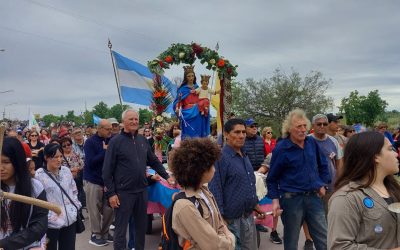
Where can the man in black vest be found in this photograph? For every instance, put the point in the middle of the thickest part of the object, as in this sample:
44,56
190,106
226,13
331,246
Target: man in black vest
254,145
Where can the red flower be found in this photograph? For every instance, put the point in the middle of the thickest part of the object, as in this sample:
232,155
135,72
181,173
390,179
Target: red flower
161,64
161,93
197,49
221,63
169,59
160,109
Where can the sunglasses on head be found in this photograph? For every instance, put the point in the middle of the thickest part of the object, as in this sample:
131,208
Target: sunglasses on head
319,124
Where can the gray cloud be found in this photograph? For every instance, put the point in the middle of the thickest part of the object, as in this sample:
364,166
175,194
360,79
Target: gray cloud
57,58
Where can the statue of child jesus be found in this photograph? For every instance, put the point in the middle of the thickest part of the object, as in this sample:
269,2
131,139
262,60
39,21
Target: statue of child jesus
203,92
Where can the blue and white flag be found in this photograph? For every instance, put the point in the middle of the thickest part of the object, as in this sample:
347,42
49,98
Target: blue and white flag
136,81
96,119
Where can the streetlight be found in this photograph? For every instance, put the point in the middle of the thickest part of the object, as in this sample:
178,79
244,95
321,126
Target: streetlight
4,111
6,91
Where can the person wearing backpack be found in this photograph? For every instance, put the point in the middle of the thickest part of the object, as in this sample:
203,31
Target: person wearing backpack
195,216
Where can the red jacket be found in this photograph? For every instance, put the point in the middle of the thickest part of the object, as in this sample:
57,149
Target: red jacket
269,147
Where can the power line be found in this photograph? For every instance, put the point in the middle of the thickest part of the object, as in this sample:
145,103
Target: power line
91,20
51,39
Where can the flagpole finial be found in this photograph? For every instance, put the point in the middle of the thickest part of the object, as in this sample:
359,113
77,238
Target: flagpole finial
217,46
109,43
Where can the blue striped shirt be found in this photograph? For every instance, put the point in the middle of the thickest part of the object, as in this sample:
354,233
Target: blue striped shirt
233,184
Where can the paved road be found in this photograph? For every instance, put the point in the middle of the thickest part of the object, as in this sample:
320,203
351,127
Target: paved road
153,240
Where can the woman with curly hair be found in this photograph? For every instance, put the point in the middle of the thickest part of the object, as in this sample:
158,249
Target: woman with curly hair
193,167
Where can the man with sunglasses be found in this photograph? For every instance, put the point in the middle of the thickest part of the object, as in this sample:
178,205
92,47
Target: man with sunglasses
254,144
255,149
330,148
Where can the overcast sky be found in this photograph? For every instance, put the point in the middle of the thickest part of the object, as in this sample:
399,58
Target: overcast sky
56,57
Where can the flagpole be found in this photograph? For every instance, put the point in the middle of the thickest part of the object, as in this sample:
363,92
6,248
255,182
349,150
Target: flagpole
212,79
115,72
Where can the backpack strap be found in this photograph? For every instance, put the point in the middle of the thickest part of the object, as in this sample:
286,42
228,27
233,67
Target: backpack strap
193,199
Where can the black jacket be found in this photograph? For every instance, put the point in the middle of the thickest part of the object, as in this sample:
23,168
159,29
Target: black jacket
254,148
124,167
37,227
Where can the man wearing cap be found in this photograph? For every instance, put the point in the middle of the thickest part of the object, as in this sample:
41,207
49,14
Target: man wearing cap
254,145
100,213
330,148
115,126
333,127
297,180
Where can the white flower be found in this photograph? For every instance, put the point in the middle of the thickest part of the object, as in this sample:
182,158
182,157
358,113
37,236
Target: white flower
181,55
164,114
212,61
159,118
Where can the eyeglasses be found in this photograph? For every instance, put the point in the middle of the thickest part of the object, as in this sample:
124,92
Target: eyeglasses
34,135
115,125
352,131
269,132
66,145
253,126
319,124
108,129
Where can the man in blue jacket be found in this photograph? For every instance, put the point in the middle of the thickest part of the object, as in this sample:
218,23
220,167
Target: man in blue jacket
297,180
100,213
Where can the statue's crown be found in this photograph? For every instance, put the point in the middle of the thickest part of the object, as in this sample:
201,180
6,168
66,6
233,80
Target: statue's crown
205,78
189,69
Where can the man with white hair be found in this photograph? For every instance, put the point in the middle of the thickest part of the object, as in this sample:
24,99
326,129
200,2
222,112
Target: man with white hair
124,174
297,180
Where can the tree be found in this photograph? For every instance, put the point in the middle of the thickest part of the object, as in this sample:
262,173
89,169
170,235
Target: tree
88,117
363,109
48,119
71,117
101,110
270,100
145,115
116,111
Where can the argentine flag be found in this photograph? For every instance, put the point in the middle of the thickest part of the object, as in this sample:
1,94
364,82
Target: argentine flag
136,81
96,119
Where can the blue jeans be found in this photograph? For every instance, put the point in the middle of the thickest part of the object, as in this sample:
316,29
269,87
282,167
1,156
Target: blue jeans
245,232
300,207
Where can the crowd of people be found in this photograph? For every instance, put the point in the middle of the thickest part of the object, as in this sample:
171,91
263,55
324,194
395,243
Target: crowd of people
331,181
